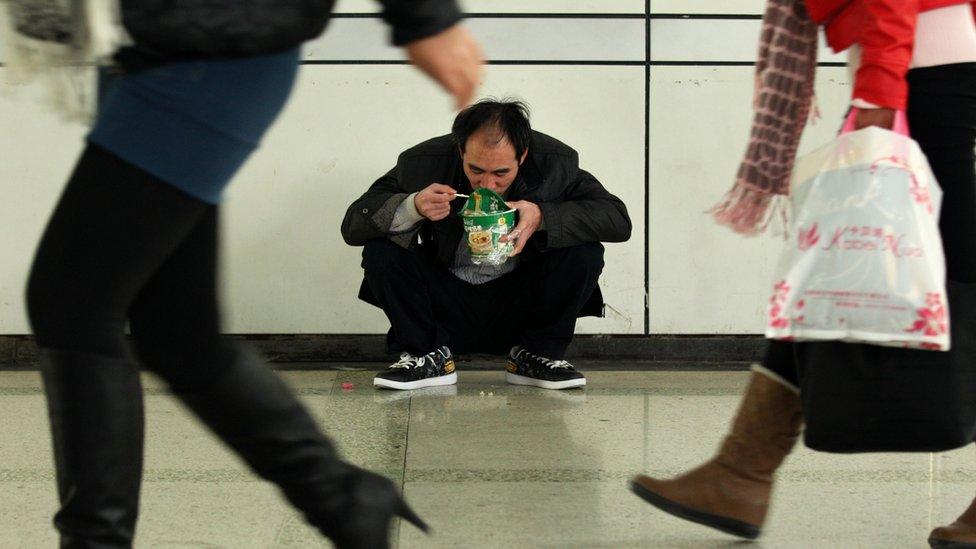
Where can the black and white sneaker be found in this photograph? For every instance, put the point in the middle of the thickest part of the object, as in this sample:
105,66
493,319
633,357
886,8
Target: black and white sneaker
525,368
414,372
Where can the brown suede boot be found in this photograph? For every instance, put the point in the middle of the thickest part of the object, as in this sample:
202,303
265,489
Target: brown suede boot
958,535
731,491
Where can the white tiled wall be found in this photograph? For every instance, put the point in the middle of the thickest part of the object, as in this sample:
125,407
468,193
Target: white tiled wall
725,7
582,66
284,251
712,40
36,153
704,278
511,39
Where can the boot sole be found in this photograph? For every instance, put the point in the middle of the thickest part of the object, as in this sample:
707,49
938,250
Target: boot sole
724,524
935,543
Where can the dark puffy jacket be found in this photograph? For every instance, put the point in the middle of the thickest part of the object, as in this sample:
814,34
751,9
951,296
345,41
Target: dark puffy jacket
576,208
181,29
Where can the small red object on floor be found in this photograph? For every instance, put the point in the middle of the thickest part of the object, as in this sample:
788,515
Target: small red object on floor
347,386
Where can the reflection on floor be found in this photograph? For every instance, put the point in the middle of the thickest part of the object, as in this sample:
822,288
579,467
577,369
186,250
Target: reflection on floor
493,465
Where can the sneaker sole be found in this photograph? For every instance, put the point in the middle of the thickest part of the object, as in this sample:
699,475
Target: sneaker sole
516,379
449,379
387,396
724,524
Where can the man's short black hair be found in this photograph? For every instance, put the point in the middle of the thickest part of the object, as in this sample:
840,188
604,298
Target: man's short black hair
509,117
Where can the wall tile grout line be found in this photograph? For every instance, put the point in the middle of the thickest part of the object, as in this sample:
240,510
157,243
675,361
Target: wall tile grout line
693,16
647,166
504,15
525,62
561,62
569,15
517,62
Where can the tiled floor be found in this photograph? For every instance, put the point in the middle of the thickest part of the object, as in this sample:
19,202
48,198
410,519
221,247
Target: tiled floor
491,465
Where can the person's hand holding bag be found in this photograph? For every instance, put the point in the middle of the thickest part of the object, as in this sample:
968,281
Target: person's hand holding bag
882,118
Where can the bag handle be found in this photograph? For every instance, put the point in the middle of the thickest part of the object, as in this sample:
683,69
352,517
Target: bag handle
900,126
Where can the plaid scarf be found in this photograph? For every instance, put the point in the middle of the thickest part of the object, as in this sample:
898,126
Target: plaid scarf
58,43
783,96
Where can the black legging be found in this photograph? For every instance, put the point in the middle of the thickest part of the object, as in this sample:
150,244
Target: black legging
123,245
942,118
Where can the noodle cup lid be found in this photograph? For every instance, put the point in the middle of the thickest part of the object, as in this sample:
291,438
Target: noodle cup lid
484,202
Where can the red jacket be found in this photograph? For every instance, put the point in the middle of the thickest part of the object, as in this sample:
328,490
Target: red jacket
885,29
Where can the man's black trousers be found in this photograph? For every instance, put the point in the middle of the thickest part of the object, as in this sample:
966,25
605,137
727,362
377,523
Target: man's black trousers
535,306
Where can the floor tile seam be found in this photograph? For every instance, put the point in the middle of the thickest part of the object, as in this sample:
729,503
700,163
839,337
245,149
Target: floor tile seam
165,475
156,391
569,399
294,531
149,476
606,475
280,531
518,475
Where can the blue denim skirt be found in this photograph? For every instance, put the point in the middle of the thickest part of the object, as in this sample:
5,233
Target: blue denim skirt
194,123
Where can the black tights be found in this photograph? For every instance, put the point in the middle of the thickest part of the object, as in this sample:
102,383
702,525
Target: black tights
125,246
942,118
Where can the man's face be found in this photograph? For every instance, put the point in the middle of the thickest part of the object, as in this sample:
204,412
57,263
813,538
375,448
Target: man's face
490,163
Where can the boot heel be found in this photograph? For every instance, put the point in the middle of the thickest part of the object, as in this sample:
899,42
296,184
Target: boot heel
405,512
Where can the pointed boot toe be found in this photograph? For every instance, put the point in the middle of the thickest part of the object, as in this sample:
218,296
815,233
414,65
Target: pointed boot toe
958,535
697,498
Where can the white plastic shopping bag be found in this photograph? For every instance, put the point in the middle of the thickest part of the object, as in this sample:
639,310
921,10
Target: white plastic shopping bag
864,260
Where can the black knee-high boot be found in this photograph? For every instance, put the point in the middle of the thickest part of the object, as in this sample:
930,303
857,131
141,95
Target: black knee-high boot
95,407
256,414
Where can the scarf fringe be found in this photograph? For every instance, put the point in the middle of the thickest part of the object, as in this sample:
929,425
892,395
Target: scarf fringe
782,97
749,211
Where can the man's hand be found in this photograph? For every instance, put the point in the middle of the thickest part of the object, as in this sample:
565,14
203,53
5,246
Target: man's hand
883,118
453,59
434,202
530,218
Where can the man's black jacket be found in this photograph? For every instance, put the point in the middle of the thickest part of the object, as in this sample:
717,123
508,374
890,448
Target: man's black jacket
576,208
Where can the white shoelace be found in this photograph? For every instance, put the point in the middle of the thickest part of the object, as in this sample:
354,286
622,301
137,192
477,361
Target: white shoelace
559,364
553,364
409,361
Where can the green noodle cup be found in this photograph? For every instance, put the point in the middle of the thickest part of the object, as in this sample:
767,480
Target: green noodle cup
485,222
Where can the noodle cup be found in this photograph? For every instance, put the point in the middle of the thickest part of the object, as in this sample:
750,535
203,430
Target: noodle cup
483,231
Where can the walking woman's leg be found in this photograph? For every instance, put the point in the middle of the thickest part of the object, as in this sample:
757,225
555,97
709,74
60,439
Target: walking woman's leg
112,227
942,118
175,325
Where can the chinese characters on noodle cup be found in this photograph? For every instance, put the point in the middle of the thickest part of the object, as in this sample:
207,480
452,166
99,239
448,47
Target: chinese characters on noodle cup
486,219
